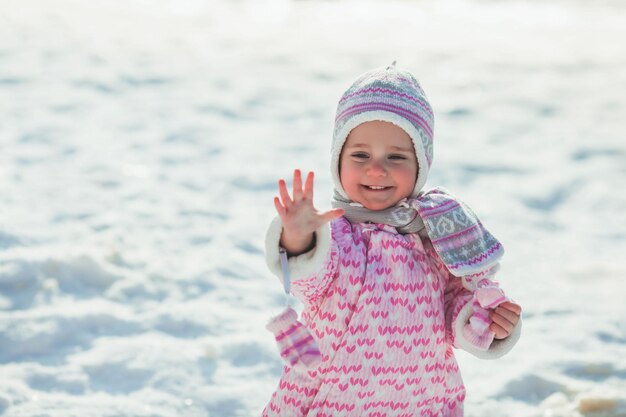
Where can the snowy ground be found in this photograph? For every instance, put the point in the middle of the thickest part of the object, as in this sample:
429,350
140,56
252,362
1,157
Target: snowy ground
141,141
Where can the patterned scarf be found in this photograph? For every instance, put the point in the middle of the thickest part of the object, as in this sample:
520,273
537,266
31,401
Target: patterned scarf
459,238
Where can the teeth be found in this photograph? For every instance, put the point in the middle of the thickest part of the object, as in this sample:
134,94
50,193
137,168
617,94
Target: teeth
376,187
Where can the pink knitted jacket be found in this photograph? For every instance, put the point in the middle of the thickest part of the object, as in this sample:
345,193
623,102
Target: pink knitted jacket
386,314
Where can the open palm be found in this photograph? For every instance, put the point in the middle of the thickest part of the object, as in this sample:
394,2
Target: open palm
298,215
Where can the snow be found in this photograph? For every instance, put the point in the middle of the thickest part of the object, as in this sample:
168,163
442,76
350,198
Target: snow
141,142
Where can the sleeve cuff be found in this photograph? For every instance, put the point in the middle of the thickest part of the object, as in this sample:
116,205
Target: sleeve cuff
498,348
302,265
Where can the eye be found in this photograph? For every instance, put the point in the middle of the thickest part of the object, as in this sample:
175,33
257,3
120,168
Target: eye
397,157
360,155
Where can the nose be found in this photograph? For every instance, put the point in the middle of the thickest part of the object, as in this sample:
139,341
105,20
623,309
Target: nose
376,169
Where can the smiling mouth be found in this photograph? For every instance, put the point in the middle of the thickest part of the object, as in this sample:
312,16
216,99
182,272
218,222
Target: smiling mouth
376,187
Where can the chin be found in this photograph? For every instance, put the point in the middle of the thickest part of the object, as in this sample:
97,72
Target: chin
378,206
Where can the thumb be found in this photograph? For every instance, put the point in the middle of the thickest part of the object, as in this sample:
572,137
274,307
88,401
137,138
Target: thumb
332,214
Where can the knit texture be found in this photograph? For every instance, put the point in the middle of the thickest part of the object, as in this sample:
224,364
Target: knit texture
384,311
461,241
392,95
296,344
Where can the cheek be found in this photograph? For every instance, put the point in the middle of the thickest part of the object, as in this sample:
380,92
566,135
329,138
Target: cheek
348,177
408,177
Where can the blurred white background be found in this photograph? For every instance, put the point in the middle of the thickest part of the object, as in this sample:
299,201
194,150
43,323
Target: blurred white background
141,142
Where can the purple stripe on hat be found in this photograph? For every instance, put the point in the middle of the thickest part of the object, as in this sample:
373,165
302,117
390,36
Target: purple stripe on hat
391,92
413,117
382,105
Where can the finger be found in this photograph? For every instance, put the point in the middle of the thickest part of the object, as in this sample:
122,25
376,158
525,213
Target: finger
308,186
332,214
503,322
279,207
515,308
511,316
297,185
500,332
284,194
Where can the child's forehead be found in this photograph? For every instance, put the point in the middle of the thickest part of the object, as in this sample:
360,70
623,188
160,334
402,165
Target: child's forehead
408,147
377,127
379,133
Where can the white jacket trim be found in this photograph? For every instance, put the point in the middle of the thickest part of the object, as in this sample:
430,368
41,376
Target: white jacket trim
302,265
498,348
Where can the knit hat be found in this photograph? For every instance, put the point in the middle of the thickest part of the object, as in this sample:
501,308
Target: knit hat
390,95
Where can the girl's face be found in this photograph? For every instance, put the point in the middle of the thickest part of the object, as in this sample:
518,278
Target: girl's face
377,166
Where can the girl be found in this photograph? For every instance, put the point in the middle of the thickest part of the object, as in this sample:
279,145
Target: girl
393,277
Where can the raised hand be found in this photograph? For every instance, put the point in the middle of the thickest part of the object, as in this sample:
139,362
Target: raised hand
300,219
505,317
